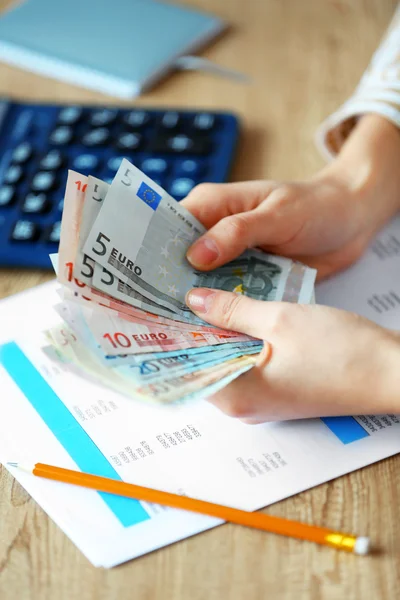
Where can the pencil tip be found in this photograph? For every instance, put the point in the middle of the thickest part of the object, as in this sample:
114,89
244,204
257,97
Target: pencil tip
12,464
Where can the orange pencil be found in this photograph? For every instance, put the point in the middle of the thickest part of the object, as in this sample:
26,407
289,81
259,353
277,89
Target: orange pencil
311,533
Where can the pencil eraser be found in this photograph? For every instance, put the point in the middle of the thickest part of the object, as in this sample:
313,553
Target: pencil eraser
362,545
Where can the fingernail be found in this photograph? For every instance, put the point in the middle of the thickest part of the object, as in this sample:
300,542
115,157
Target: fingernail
203,252
200,300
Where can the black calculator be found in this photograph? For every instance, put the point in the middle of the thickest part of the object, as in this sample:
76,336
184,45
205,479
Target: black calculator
39,143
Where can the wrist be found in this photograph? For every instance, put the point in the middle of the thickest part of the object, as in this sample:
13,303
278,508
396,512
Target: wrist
368,166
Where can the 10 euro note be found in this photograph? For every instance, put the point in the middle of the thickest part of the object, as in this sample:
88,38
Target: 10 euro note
118,336
174,386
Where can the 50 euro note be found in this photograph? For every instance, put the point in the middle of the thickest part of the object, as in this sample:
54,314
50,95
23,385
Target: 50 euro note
141,235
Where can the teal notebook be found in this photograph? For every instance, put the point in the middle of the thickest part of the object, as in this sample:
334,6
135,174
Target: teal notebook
119,47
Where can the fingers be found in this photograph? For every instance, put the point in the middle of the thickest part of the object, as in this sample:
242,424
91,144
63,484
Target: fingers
275,221
245,398
237,399
234,312
210,202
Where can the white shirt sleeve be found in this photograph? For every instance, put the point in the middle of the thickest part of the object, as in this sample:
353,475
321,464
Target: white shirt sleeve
378,92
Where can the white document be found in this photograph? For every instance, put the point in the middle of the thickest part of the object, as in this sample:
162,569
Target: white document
371,287
51,415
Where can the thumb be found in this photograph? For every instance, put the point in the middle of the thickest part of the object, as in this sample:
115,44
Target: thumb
228,239
233,311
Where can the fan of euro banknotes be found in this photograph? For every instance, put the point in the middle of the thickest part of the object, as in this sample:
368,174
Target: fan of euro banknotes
124,276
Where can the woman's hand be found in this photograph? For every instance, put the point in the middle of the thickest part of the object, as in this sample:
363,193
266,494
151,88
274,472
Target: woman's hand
326,222
317,361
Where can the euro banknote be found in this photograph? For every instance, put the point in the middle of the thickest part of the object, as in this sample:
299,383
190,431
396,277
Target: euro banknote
73,353
124,275
141,236
118,336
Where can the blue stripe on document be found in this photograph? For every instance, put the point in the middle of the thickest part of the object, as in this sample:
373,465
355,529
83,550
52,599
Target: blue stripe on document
67,430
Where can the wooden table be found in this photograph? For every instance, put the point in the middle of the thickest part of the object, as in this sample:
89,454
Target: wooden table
305,58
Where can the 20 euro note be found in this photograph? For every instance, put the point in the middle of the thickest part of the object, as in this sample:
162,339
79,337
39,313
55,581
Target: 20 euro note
150,368
142,235
157,370
180,388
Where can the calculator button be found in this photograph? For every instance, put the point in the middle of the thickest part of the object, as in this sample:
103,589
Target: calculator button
204,122
69,115
170,120
180,144
22,153
13,174
25,231
114,163
7,195
36,203
51,161
54,233
43,181
128,140
96,137
181,187
99,118
86,162
136,118
189,167
61,136
156,166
